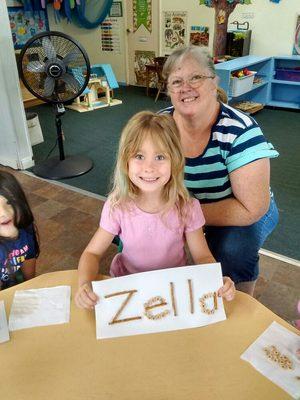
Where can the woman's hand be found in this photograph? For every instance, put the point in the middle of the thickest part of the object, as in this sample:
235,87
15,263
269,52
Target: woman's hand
85,297
228,289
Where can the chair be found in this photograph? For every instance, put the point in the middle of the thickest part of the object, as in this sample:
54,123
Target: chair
161,83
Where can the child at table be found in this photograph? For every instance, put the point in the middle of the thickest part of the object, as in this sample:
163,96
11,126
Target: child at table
19,246
149,208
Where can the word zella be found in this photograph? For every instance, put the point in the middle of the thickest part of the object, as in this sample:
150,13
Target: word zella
208,304
159,301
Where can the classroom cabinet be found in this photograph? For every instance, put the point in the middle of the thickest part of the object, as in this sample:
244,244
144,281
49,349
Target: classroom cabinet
277,80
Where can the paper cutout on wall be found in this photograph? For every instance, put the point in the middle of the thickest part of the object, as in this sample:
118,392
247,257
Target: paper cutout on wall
141,58
110,35
199,35
25,25
296,48
142,14
174,30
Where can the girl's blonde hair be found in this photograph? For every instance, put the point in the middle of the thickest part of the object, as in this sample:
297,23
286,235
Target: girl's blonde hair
162,130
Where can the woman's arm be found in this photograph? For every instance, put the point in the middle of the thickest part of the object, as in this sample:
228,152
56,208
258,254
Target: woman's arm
88,267
251,188
198,247
201,255
28,268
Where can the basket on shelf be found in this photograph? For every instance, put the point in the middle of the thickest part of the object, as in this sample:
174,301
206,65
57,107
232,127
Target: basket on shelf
239,86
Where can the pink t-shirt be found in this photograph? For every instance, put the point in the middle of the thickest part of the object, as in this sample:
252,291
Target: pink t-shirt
150,241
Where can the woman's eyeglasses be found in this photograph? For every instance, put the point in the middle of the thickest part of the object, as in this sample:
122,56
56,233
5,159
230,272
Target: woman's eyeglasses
174,85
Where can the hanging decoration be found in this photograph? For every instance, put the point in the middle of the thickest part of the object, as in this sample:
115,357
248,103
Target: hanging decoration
24,26
87,13
142,14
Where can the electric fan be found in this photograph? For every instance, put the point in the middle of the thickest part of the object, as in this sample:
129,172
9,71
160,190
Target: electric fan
56,69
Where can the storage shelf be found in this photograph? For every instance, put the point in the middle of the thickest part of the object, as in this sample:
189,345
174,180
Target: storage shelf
281,82
285,104
271,91
255,86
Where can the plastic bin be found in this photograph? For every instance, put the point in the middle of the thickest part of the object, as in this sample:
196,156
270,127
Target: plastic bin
285,74
34,128
239,86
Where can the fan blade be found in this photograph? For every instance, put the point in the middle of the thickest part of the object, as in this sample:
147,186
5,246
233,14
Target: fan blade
48,48
72,82
35,66
70,58
49,86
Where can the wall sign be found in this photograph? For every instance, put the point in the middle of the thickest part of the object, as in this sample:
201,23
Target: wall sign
141,59
24,25
296,48
199,35
142,14
174,30
116,9
159,301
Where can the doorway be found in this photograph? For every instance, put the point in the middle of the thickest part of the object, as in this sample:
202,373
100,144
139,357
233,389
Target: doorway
142,39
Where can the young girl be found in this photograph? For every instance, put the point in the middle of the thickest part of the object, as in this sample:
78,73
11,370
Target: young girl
18,241
148,207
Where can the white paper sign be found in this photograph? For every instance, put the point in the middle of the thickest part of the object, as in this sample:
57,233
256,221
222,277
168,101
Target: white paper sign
40,307
4,334
281,367
158,301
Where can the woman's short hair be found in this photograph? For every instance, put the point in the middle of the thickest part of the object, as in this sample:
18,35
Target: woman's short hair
162,129
198,53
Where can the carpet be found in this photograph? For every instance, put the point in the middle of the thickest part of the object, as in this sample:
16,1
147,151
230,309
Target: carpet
96,134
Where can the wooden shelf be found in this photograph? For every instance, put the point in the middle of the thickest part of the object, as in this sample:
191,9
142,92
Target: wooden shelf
271,91
29,100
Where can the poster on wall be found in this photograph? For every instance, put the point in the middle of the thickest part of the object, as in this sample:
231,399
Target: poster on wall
24,26
199,35
174,30
142,14
296,47
141,58
110,35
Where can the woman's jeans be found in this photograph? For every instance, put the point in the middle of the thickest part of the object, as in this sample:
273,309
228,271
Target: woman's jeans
236,247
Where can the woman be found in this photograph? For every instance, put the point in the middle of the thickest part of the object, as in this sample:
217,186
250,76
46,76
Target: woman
227,165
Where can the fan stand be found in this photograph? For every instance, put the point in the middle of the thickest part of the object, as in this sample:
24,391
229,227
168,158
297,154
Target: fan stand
61,167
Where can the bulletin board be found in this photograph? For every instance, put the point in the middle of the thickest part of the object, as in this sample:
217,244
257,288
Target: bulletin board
24,25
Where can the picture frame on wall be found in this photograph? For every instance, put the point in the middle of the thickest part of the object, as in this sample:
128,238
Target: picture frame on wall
25,25
116,9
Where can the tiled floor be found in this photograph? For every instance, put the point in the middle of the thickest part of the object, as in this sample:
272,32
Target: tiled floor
67,219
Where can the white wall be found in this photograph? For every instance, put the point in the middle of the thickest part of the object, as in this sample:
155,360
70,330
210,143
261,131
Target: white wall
90,39
273,25
15,147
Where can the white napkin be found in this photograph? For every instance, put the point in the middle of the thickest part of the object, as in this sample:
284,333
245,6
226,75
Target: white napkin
40,307
287,343
4,334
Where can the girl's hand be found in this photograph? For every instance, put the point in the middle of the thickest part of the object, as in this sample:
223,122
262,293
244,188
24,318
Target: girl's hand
228,289
85,297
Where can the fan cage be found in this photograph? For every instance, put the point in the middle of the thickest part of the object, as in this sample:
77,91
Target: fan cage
35,81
